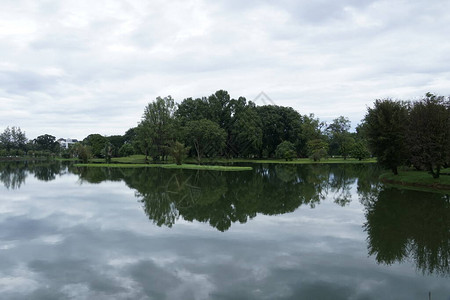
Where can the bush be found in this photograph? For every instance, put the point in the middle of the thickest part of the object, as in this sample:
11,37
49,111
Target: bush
317,149
285,150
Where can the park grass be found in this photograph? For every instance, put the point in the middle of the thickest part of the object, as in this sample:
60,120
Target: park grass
165,166
140,159
66,159
418,180
297,161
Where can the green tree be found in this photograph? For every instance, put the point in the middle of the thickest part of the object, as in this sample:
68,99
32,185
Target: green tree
13,138
360,151
126,150
317,149
278,124
178,152
246,132
339,136
386,129
311,128
108,151
285,150
83,152
5,139
206,138
46,142
96,142
116,141
156,128
192,110
429,133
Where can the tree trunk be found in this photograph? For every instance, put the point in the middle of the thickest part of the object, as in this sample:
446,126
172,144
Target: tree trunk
437,173
432,172
395,170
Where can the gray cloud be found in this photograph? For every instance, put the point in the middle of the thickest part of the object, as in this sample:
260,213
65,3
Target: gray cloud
104,61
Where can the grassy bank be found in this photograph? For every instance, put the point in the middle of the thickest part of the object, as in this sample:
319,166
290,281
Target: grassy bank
298,161
25,158
140,159
420,180
165,166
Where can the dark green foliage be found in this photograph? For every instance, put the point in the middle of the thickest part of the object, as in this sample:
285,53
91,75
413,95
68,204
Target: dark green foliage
156,129
429,134
205,137
96,142
285,150
178,152
311,129
130,136
46,142
116,141
278,124
386,129
360,151
246,132
170,195
317,149
126,150
13,138
421,232
339,137
83,152
108,152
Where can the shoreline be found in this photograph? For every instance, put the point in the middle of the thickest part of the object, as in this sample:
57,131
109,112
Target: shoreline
166,166
419,180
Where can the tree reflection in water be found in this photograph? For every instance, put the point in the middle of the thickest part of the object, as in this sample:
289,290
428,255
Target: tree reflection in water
223,198
401,224
14,173
404,224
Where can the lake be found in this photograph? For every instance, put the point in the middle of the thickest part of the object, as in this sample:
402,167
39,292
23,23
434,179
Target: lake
276,232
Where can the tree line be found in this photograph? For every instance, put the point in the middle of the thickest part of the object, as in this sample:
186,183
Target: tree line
219,126
410,133
396,132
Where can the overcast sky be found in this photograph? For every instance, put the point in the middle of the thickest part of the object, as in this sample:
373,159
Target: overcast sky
71,68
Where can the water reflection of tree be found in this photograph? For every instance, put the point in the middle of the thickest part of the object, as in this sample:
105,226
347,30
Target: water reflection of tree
14,173
223,198
404,224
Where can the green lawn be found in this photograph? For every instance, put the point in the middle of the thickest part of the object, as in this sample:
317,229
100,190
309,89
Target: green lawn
419,180
140,159
297,161
165,166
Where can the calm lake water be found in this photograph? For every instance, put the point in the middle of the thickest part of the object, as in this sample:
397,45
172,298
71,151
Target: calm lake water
276,232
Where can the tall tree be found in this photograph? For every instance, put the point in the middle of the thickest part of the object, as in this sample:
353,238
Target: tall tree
46,142
117,141
192,110
311,129
13,138
278,124
157,127
96,142
339,136
246,132
429,133
206,138
5,139
386,128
